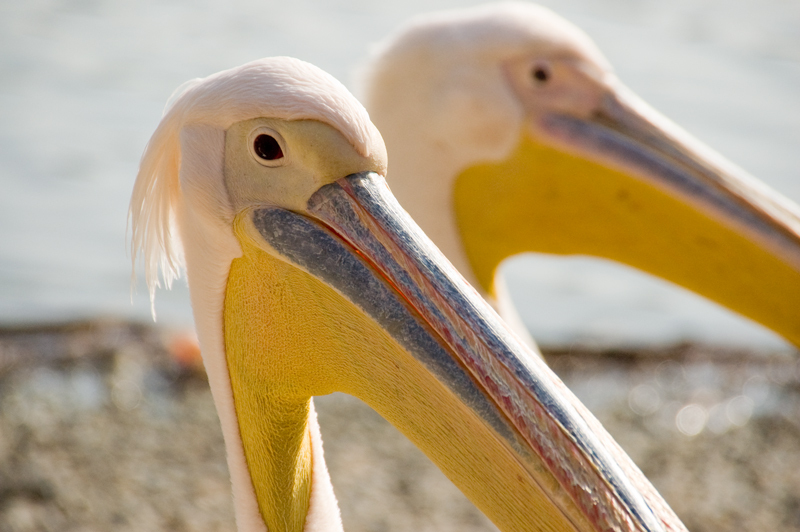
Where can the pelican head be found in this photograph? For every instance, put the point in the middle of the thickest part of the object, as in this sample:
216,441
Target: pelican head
306,278
509,132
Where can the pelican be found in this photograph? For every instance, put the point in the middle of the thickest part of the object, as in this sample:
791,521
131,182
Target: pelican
509,133
265,182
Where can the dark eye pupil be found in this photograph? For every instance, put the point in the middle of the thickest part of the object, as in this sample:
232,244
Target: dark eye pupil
267,148
540,74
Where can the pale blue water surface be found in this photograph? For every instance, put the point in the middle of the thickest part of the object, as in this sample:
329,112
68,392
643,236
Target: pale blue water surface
83,84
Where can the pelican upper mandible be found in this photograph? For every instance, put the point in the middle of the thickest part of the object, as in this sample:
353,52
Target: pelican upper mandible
509,132
306,277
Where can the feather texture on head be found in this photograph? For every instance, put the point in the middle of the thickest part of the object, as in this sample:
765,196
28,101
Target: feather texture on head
277,87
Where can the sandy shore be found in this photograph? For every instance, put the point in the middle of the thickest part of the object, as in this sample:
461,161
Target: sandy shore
101,430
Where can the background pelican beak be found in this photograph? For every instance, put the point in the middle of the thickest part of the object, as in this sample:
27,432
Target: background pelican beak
631,136
626,184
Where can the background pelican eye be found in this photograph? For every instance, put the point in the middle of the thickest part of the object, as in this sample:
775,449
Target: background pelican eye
540,73
267,148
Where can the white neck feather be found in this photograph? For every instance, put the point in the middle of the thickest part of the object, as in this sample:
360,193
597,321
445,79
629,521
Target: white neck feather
209,247
431,140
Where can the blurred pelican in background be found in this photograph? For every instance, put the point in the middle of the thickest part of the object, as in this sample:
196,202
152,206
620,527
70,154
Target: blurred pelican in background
508,132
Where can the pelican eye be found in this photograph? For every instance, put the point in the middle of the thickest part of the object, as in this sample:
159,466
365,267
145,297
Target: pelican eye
540,73
267,148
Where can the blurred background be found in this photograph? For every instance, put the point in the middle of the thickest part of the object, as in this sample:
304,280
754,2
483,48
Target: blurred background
84,83
131,433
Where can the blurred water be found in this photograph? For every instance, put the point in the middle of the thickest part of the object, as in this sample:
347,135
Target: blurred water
83,83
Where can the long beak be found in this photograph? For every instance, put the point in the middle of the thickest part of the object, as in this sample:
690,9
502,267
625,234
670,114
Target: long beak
628,134
626,184
355,238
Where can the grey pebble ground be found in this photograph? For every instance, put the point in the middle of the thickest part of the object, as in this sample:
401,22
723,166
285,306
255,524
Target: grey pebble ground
100,430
